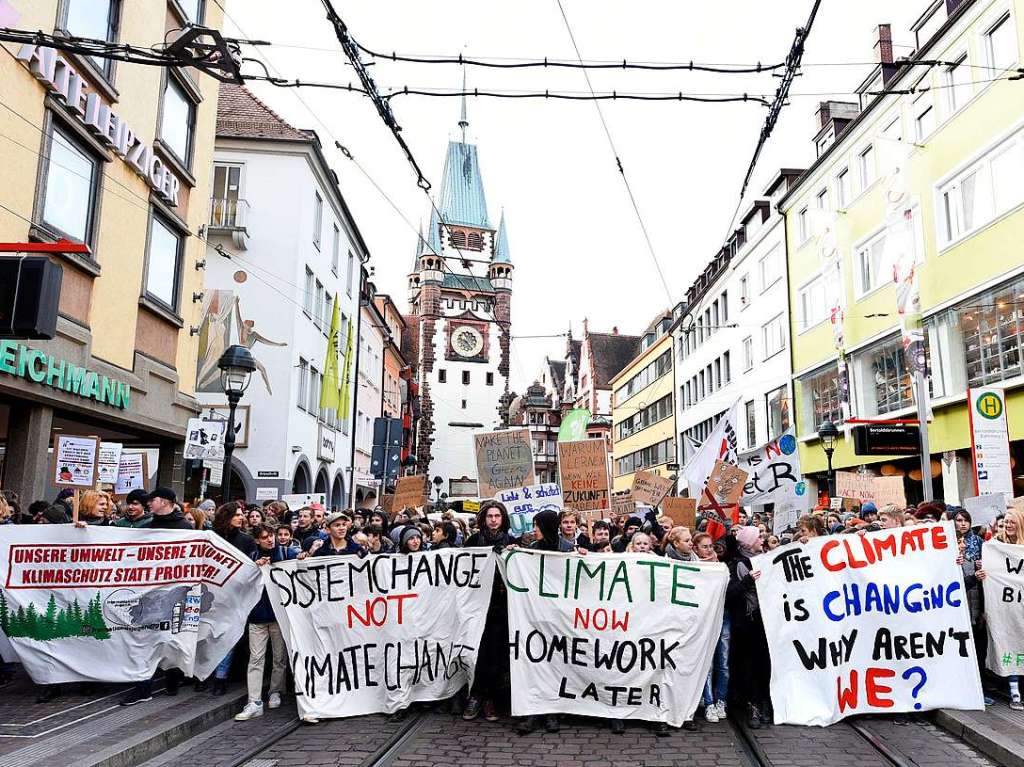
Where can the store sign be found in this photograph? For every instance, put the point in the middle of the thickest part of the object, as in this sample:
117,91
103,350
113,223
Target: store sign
990,443
325,444
886,439
57,74
19,360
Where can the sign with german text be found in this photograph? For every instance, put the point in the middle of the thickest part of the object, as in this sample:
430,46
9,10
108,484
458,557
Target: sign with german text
523,503
619,636
109,604
622,504
583,469
109,459
650,488
373,635
132,473
504,460
409,492
990,444
881,491
75,460
1003,563
682,511
886,439
868,624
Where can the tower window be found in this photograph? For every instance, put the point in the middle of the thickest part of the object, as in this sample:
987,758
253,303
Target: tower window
465,377
476,241
490,379
442,375
463,404
458,239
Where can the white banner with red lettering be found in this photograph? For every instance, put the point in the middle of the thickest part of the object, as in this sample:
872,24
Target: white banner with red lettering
867,625
111,604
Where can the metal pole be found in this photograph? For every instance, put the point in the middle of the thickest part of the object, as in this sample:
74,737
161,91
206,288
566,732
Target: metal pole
921,395
229,446
831,477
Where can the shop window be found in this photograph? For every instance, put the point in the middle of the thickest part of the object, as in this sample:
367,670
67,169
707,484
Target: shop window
993,335
177,121
94,19
71,188
163,263
822,400
890,379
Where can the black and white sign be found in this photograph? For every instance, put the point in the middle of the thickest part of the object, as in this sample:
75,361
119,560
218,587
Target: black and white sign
204,440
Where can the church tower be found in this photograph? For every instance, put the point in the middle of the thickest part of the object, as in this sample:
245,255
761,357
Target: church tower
460,293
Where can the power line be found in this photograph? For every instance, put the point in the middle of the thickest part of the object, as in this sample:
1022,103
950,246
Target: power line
618,159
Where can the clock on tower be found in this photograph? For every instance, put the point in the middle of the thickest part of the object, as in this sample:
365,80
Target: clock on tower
467,343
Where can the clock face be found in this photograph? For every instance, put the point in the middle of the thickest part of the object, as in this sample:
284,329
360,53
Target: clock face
467,342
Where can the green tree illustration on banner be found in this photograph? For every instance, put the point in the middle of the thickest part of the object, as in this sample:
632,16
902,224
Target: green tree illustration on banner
53,622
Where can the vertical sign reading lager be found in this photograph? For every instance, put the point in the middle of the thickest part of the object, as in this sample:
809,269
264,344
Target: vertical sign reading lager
990,443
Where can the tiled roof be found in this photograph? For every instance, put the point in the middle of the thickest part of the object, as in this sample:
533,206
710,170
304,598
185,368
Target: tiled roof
501,254
241,115
462,188
610,354
466,282
557,370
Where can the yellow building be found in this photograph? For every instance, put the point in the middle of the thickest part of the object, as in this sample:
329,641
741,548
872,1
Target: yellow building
948,140
116,156
643,415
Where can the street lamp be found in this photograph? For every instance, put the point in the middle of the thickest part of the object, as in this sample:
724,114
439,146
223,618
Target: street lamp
829,435
236,366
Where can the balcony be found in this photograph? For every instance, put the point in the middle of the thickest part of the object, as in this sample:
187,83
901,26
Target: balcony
229,217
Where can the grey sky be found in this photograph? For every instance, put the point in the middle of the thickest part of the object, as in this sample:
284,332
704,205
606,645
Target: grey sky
574,239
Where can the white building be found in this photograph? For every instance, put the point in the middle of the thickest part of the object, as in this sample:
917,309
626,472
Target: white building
292,247
732,343
370,401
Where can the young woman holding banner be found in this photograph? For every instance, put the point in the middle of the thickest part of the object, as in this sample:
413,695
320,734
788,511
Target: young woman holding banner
1013,532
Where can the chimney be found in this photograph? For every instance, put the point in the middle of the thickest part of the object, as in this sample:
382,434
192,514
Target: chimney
883,44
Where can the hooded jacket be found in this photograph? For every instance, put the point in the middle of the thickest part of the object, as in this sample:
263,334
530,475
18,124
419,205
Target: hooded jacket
546,523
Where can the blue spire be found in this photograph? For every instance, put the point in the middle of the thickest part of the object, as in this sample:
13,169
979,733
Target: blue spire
433,242
501,254
462,189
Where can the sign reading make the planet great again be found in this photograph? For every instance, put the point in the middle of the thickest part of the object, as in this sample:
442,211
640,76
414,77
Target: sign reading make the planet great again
42,368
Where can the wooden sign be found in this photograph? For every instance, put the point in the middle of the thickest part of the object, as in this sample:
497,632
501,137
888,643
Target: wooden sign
387,503
75,461
623,504
409,491
879,490
583,468
650,488
504,460
683,511
725,484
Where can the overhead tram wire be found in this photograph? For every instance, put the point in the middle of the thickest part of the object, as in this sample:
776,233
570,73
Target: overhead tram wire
618,159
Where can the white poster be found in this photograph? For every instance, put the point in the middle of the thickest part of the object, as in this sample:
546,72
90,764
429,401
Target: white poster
523,503
110,459
372,635
75,461
990,444
1003,563
297,500
204,439
985,508
773,473
110,604
131,473
719,446
868,624
624,636
266,493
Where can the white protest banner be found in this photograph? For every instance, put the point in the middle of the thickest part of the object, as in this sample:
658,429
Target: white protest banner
204,439
296,501
985,508
374,634
773,472
109,460
109,604
868,624
621,636
523,503
132,471
719,446
1003,563
74,460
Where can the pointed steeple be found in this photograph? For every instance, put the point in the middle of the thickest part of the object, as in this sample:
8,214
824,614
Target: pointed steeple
463,120
501,252
420,246
432,244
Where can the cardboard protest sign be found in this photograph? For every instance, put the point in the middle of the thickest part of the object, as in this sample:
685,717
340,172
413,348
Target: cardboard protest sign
880,490
108,462
504,460
985,508
725,484
621,636
372,635
1003,563
410,491
773,472
650,488
622,504
682,511
75,460
868,624
132,472
583,470
108,604
523,503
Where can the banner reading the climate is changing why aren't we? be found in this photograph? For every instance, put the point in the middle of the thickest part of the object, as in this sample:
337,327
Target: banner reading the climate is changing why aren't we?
628,636
868,624
374,634
114,604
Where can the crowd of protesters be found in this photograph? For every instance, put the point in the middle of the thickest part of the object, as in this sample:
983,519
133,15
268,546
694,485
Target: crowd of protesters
740,670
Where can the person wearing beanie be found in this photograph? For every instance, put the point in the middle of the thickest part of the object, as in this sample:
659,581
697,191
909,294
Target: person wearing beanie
136,514
751,671
411,540
869,512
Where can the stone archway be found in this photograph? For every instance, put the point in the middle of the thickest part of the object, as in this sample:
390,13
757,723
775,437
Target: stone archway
323,483
301,482
337,498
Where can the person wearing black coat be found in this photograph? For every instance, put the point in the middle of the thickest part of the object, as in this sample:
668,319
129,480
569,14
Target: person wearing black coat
228,523
750,663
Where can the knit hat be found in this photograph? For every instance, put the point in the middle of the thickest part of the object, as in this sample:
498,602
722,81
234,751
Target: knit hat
207,505
409,533
746,536
868,508
137,496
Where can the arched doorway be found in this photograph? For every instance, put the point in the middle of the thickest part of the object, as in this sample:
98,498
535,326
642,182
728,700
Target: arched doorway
323,484
301,482
337,499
